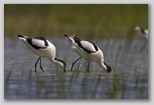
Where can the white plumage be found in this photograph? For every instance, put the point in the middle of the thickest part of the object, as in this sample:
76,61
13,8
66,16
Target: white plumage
89,51
43,48
88,45
38,42
142,32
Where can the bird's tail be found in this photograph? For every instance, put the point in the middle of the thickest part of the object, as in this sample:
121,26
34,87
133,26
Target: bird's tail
69,38
66,35
21,37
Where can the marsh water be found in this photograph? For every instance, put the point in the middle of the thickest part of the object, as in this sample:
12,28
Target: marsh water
128,79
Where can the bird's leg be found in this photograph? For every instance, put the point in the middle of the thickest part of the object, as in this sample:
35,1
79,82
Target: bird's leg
75,62
88,66
143,47
41,65
36,63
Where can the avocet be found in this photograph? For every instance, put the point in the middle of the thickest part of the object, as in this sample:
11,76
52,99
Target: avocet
43,48
142,32
89,51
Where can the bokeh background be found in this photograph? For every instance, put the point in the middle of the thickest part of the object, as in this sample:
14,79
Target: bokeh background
94,20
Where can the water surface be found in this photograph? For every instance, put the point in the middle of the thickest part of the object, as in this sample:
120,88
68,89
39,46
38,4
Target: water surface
128,79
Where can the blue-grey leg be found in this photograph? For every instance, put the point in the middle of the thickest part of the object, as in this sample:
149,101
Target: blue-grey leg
88,66
75,62
41,65
36,63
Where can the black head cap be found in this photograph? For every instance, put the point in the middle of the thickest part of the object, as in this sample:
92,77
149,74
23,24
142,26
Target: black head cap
108,68
62,62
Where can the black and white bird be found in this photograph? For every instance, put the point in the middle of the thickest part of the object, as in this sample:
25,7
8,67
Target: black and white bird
89,51
43,48
142,32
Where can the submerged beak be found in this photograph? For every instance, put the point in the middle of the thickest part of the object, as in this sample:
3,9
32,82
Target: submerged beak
108,71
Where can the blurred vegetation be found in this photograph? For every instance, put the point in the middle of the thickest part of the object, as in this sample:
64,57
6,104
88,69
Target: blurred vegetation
86,20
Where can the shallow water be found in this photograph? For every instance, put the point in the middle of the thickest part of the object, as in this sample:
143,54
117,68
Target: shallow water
128,79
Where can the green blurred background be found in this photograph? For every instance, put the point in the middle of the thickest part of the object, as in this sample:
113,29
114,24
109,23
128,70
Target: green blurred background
84,20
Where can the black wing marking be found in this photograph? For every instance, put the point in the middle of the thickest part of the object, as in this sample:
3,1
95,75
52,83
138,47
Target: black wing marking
96,48
87,50
78,41
29,40
42,38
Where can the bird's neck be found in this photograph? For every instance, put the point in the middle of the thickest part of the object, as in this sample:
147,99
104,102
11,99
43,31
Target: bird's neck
56,62
102,64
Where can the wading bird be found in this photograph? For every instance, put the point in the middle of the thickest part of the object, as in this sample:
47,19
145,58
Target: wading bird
43,48
142,32
89,51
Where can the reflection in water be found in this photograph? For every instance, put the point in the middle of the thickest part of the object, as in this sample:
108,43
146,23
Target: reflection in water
128,80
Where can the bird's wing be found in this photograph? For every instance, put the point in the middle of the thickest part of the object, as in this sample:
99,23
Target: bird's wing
37,43
87,46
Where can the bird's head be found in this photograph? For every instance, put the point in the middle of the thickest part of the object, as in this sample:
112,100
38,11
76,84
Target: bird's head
108,68
137,28
61,63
